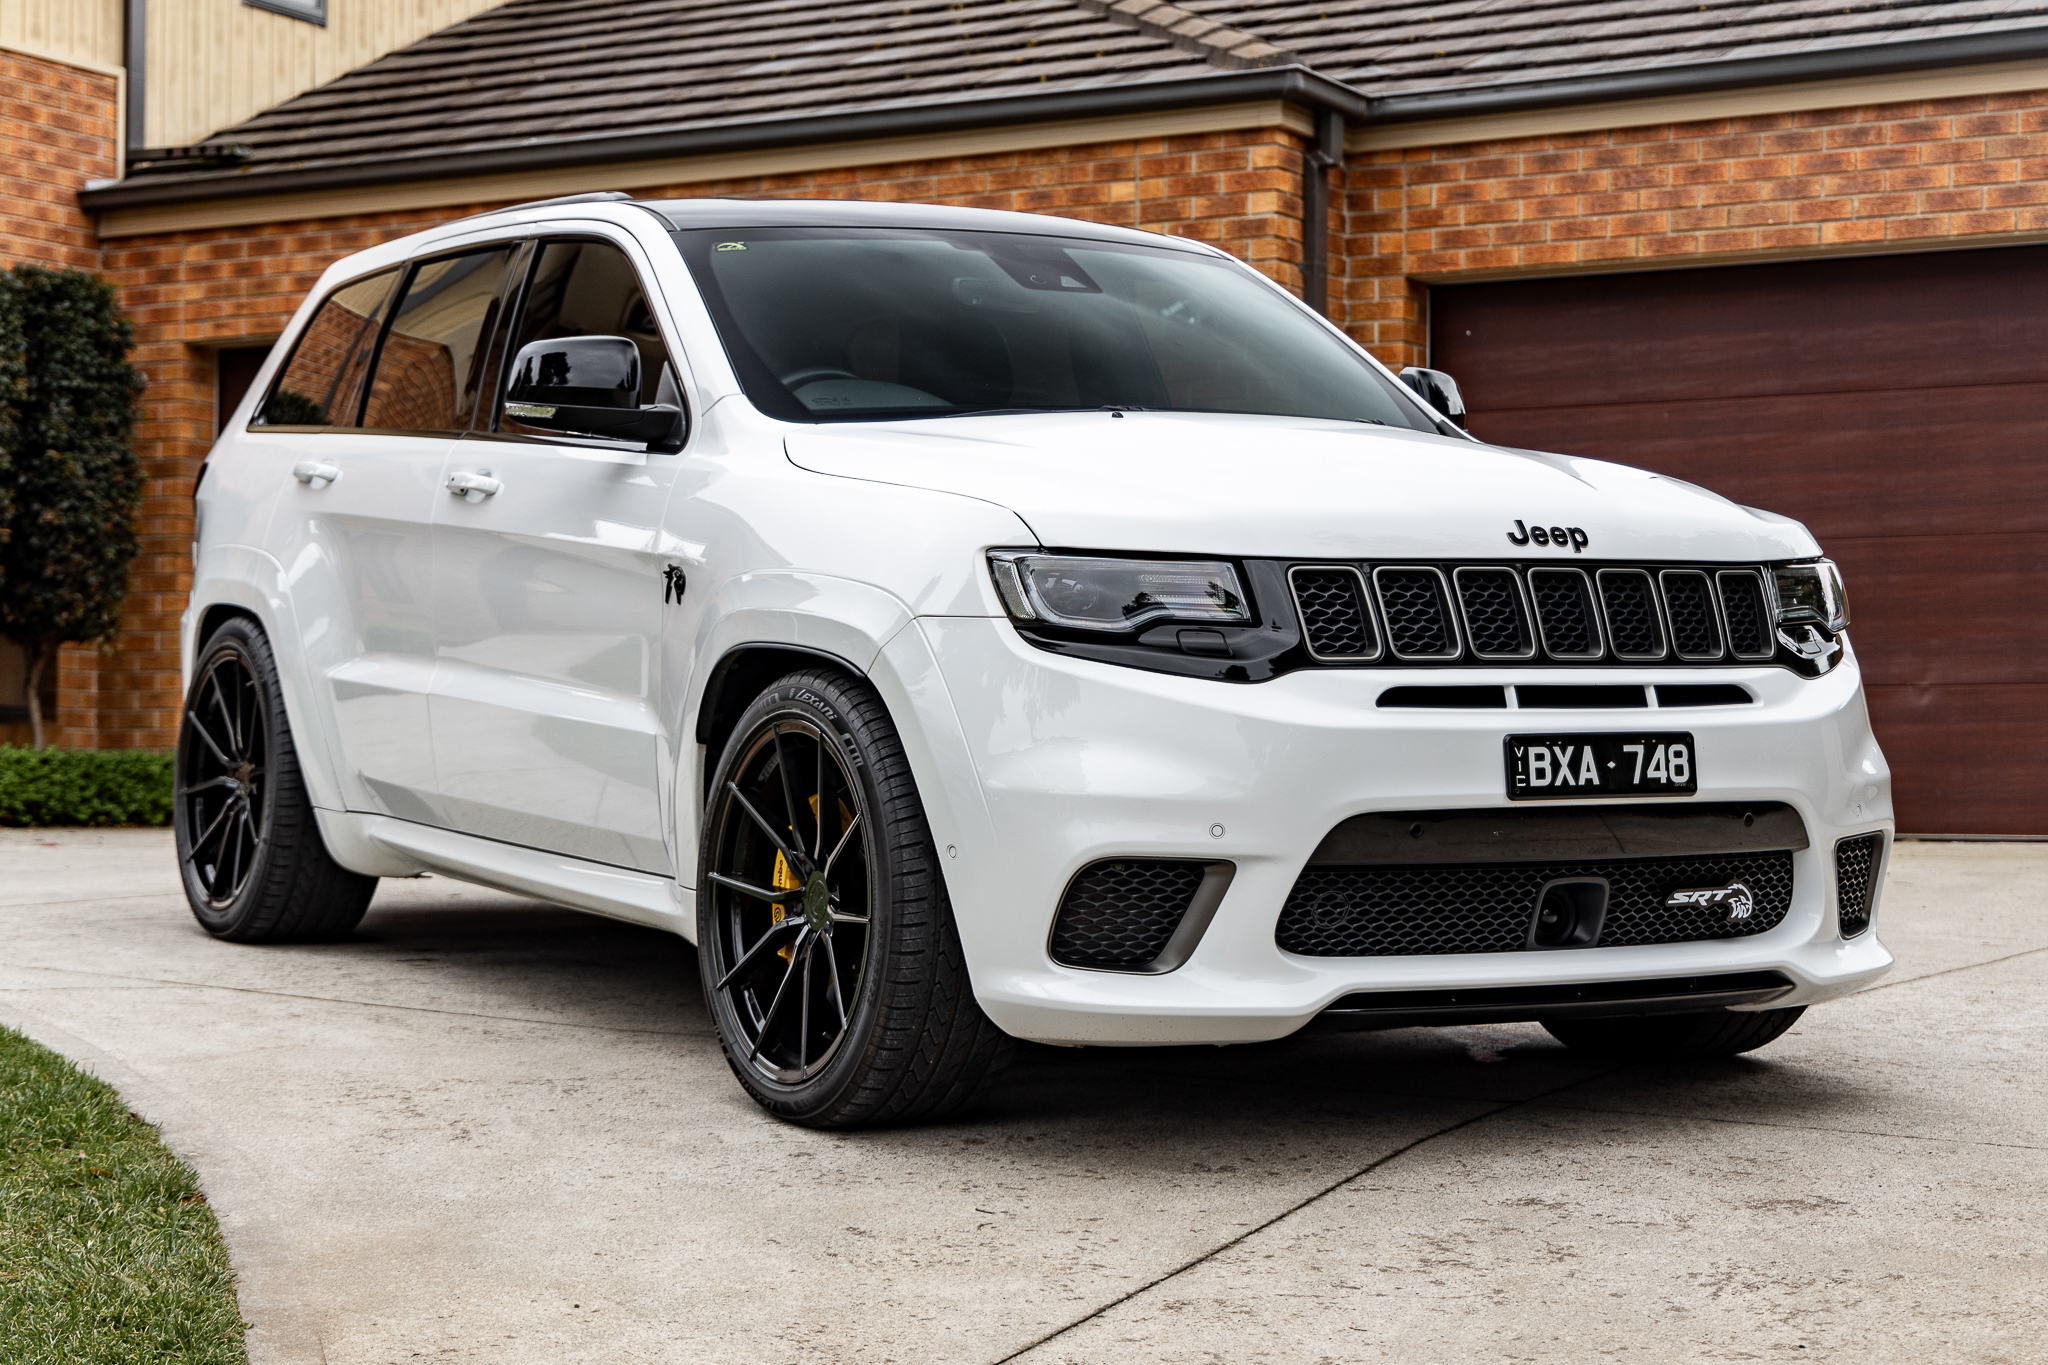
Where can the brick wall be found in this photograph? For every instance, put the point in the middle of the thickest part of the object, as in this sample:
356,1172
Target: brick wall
1874,177
59,127
192,292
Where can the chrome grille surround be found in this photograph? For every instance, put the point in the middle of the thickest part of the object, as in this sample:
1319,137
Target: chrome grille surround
1635,626
1415,603
1566,617
1694,613
1747,612
1333,630
1496,608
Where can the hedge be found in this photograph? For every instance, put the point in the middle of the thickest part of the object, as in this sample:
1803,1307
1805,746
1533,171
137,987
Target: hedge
84,787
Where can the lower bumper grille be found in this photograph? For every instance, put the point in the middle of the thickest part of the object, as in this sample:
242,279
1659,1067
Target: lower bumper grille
1856,881
1337,911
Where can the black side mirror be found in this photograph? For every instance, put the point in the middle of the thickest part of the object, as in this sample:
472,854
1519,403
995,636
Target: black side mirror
1437,389
589,386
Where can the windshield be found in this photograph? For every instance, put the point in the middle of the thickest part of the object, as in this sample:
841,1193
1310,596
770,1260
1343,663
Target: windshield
856,324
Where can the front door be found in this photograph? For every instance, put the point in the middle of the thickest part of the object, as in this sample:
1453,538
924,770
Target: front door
549,580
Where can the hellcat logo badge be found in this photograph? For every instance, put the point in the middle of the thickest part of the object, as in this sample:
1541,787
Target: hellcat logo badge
1735,897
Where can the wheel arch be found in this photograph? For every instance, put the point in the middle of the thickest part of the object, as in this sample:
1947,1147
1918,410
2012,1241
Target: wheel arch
743,673
241,581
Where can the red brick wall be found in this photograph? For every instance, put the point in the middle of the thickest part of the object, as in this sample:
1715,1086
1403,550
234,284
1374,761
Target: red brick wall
1872,177
59,127
190,292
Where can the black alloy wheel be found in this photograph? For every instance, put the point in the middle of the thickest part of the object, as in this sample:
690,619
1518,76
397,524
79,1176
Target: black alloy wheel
825,940
222,778
249,847
792,898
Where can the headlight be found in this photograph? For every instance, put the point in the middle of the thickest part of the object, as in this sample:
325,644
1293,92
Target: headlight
1812,591
1117,594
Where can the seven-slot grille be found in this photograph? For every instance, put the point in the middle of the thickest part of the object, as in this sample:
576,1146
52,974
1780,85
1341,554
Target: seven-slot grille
1497,613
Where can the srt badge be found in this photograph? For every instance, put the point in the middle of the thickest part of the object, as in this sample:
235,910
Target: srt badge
1735,897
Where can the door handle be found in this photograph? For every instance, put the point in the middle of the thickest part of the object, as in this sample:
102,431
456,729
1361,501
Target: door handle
473,487
315,474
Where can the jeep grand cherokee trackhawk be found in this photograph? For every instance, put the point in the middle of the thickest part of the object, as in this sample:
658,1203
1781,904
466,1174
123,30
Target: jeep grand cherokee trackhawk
968,625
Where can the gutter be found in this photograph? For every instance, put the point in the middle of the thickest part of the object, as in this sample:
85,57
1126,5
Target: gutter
1296,85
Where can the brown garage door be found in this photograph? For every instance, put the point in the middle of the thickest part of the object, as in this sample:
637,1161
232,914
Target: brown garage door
1898,405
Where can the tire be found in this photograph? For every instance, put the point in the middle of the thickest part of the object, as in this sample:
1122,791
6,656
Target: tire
827,946
1674,1037
249,847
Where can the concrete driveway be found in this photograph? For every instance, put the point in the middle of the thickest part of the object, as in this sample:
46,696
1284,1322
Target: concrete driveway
488,1130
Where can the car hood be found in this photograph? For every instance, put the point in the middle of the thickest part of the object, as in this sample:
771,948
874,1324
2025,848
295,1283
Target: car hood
1293,488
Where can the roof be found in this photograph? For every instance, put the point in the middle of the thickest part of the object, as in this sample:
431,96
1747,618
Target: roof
563,82
728,214
1391,48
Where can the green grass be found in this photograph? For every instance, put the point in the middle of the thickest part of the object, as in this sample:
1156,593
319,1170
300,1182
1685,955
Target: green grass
108,1252
84,787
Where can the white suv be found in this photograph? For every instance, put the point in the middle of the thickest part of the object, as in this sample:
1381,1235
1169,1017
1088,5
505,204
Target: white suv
968,625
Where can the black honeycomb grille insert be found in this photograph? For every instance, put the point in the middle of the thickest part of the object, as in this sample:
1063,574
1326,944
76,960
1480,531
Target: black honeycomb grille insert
1689,602
1749,629
1856,881
1632,624
1418,618
1486,907
1494,615
1564,612
1122,913
1333,613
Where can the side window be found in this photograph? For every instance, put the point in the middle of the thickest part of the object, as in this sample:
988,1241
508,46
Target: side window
582,289
430,365
322,382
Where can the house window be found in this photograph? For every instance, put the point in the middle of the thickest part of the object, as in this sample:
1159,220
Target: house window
234,369
312,11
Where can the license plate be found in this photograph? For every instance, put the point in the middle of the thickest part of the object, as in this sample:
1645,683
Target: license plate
1575,767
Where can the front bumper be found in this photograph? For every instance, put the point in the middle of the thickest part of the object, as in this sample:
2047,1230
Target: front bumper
1079,761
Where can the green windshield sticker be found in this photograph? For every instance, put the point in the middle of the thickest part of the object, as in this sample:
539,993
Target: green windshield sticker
732,246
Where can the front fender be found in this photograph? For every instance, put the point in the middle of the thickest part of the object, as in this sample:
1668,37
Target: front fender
252,582
837,618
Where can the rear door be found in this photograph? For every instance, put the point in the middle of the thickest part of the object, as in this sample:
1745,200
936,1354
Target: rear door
350,528
548,589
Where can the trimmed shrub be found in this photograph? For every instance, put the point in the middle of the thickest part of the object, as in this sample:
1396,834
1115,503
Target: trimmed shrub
72,486
84,787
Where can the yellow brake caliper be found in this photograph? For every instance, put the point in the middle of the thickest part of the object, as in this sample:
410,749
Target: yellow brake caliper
783,878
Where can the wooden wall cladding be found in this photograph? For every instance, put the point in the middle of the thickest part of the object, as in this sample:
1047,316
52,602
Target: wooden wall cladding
1898,405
